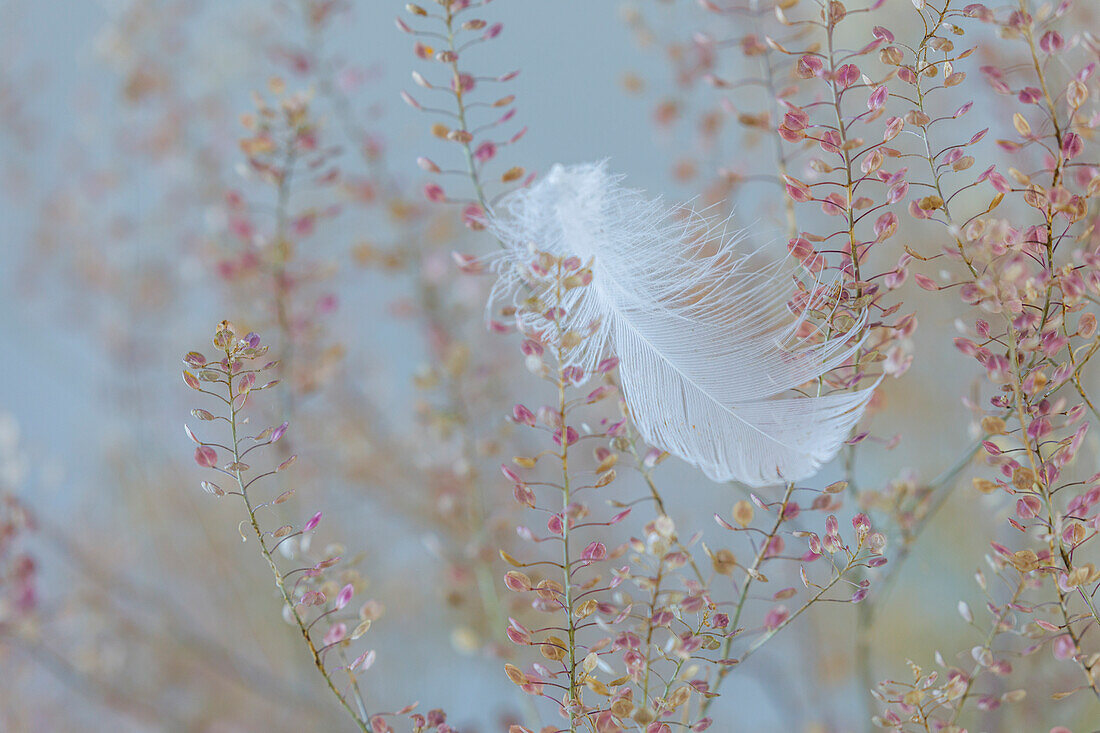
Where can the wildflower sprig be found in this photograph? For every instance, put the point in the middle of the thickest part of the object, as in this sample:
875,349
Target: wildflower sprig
444,37
846,166
844,564
926,70
232,379
826,110
284,150
1027,273
646,621
937,699
839,151
575,596
826,115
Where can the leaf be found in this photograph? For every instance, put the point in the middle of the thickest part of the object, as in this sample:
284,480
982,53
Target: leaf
708,349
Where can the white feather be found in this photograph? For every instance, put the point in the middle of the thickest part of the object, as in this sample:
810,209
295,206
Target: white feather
706,342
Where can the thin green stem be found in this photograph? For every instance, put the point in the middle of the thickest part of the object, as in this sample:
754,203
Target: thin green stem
567,567
744,595
456,76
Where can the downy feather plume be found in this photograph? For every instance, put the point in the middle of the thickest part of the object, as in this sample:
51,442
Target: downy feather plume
707,345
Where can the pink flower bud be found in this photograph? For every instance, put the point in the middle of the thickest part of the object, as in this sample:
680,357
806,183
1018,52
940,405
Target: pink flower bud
343,598
571,436
555,525
593,552
607,365
485,152
862,524
619,517
776,617
523,495
434,193
473,216
335,633
1063,647
897,192
847,75
1072,145
997,367
878,98
809,66
599,393
363,663
1051,42
206,456
522,415
925,282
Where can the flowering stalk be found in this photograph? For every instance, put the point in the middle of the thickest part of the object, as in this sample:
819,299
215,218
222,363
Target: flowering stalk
551,277
865,555
238,374
752,572
586,601
456,33
282,147
566,500
1041,335
457,36
923,706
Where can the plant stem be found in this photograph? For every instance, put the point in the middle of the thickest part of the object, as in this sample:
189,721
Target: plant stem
574,696
744,596
471,165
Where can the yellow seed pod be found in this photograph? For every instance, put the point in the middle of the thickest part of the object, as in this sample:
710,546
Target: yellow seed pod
553,649
515,674
743,513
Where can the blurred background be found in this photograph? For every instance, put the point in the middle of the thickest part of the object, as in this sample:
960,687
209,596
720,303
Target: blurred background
119,168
